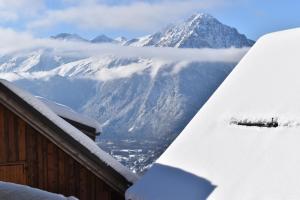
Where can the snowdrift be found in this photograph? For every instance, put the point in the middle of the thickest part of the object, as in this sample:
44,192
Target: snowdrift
242,162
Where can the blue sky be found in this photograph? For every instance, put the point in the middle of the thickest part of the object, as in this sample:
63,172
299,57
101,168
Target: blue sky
132,18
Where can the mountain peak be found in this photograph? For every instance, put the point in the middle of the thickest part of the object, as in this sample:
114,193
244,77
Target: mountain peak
200,16
201,30
102,39
68,37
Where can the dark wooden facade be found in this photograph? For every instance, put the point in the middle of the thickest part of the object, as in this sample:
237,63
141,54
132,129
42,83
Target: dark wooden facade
29,157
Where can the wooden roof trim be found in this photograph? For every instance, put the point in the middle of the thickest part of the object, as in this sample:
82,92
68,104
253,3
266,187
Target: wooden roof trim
63,140
82,126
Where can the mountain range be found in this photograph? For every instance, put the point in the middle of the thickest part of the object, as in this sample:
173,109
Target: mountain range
199,31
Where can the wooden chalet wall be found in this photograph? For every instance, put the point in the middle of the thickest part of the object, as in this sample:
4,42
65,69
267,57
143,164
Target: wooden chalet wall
27,157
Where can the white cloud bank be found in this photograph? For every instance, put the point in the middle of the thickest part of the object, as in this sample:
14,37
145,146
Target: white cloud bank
11,41
153,58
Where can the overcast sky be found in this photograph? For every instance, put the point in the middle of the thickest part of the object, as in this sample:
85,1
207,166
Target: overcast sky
133,18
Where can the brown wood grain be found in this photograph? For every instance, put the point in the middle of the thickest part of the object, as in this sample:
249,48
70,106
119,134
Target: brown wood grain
11,139
61,172
22,140
40,162
83,184
32,157
2,136
13,173
28,157
5,131
52,165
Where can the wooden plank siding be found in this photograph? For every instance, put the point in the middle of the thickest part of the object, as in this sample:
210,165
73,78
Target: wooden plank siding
13,173
27,157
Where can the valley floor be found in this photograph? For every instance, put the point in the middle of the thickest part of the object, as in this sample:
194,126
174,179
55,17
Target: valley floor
137,155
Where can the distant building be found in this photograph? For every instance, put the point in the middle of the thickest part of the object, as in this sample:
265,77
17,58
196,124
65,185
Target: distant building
42,150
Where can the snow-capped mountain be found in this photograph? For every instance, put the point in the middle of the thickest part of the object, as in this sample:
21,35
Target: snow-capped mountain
69,37
102,39
128,96
199,31
42,59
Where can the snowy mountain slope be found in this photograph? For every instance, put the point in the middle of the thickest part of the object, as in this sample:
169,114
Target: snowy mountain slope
251,159
41,59
129,96
199,31
155,106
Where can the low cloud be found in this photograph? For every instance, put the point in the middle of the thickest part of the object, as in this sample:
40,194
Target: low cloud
230,55
151,59
12,42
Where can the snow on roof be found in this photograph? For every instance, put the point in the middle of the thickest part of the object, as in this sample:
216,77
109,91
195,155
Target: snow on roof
11,191
67,112
248,159
72,131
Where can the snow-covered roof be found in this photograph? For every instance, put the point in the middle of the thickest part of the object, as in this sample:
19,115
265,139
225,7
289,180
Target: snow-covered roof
68,113
72,131
233,142
11,191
